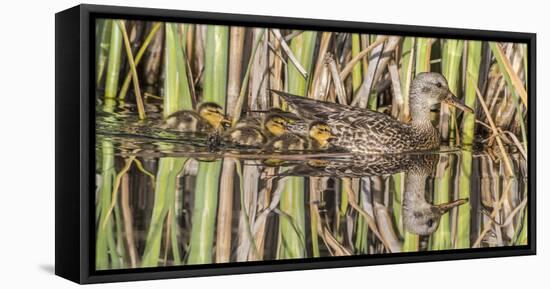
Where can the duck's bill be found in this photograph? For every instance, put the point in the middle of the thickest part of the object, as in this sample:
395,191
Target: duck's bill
451,99
443,208
226,122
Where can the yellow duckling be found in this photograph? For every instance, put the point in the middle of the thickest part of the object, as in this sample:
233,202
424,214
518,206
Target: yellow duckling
319,137
252,131
210,118
278,122
275,124
321,134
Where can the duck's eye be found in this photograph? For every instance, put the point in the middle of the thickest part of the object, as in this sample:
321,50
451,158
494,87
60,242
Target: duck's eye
438,84
430,223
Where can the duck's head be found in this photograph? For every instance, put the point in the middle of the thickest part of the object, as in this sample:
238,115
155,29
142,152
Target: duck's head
423,218
275,124
429,89
213,114
321,132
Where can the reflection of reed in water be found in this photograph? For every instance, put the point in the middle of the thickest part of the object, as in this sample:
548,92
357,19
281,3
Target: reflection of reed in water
366,221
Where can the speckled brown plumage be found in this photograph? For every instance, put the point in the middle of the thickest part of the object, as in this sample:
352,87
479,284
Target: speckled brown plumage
370,132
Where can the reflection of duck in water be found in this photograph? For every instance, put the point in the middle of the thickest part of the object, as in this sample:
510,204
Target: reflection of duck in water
419,216
209,118
366,131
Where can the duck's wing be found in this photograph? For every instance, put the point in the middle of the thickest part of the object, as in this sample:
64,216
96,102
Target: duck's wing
329,111
314,109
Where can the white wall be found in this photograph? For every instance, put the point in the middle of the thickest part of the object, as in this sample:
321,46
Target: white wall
27,143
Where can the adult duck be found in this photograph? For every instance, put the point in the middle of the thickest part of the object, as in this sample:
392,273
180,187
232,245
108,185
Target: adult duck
370,132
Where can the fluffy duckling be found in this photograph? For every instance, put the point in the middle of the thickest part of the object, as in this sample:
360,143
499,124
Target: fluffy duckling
287,142
292,122
245,135
275,124
209,117
253,131
319,136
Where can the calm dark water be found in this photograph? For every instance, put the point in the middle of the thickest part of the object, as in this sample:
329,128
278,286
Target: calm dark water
167,198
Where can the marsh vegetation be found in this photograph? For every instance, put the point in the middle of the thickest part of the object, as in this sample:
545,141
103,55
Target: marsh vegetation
168,198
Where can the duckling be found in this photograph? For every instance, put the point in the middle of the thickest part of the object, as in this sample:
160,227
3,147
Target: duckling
253,131
210,118
275,124
292,122
287,142
245,135
319,136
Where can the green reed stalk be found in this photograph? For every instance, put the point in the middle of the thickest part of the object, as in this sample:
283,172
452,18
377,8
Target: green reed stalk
126,84
315,188
176,82
356,74
441,238
397,203
452,54
521,237
208,176
405,75
103,36
450,61
119,239
165,191
423,52
113,67
357,79
132,64
362,229
407,61
464,211
105,245
473,66
105,233
422,55
373,97
204,212
292,197
177,97
520,234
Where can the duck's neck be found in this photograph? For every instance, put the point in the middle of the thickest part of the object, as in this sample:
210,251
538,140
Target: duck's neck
415,189
426,134
420,115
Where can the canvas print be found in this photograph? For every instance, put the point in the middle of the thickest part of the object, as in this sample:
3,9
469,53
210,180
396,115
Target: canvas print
227,144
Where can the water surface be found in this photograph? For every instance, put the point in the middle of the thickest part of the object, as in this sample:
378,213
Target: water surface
179,200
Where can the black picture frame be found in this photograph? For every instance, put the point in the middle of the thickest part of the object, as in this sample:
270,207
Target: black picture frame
75,140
